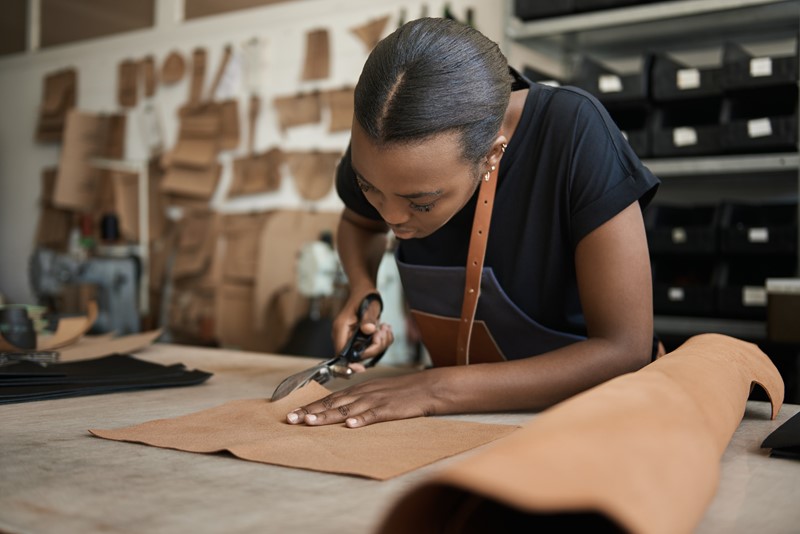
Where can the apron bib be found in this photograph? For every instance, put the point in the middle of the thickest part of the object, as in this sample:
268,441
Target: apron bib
491,328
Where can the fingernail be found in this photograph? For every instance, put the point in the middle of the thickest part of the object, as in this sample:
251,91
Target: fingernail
351,422
292,417
311,417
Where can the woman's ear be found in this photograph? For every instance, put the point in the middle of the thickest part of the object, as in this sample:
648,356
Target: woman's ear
496,152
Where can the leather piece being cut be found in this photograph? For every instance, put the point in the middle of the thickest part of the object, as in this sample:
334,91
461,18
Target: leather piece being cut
256,430
639,453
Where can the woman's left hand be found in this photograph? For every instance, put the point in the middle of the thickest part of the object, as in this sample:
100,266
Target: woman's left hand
374,401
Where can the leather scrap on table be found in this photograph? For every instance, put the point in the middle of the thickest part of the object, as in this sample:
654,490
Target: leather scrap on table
256,430
785,440
29,381
639,453
68,331
317,60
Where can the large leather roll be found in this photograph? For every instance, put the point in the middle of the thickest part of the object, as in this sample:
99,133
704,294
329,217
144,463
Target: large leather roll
639,453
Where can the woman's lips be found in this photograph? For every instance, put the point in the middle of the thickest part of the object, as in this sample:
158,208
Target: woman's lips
402,233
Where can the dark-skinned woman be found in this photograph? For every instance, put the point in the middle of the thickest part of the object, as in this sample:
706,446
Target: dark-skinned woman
448,143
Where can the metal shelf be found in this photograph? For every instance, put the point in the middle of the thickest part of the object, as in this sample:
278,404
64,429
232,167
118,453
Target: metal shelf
690,326
650,13
724,164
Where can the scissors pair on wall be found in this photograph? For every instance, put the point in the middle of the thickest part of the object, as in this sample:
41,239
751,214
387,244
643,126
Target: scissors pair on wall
338,366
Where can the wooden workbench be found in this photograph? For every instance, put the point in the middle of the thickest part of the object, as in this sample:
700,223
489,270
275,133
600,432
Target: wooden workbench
56,477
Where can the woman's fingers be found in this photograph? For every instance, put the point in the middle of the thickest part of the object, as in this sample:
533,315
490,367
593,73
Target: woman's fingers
378,400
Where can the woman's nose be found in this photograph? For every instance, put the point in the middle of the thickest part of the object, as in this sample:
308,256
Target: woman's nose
394,212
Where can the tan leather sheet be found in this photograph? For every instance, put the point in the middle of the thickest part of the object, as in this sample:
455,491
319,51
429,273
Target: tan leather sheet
370,32
256,430
317,61
298,110
641,451
313,172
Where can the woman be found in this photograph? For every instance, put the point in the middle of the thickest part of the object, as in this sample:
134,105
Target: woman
565,289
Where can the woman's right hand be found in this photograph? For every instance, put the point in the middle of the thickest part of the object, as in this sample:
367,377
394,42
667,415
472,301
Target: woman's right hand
345,324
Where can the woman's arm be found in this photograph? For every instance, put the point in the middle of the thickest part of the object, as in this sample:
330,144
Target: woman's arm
614,280
360,243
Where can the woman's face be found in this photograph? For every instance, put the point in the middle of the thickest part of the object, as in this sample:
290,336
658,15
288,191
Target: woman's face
415,187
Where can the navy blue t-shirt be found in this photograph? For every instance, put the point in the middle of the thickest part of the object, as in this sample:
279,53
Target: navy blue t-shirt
566,171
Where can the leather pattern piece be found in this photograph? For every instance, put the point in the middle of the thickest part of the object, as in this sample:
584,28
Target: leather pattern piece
256,430
640,452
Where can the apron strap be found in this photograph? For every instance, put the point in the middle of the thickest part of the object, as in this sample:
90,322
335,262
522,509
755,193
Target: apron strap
474,270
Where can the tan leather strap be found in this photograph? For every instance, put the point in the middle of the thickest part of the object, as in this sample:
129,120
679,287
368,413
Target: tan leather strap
475,256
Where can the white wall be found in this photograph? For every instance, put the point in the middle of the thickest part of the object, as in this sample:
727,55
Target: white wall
281,26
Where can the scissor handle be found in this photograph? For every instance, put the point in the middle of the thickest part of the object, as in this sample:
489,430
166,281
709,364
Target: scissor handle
359,342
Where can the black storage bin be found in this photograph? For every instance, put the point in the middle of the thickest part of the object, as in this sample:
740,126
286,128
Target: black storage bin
539,9
538,76
758,228
742,291
761,120
688,128
682,287
742,70
611,86
682,229
595,5
675,80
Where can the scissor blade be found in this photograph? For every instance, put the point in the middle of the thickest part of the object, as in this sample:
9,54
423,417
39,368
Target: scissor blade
298,380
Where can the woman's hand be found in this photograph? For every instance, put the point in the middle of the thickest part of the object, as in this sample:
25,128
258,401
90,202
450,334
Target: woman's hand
346,323
374,401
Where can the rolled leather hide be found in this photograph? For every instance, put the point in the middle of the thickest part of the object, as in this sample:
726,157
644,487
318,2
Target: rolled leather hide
639,453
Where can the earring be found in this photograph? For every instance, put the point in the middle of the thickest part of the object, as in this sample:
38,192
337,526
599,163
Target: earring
503,147
486,176
493,167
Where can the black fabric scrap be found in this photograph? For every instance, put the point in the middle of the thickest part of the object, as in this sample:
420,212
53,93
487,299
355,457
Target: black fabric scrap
28,381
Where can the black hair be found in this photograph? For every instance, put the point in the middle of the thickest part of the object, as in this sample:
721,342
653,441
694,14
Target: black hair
431,76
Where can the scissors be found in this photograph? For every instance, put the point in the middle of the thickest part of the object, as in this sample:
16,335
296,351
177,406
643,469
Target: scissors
338,366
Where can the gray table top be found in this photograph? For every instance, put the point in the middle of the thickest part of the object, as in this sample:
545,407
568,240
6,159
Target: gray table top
56,477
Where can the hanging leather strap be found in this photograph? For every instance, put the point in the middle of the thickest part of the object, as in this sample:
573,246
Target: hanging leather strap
477,251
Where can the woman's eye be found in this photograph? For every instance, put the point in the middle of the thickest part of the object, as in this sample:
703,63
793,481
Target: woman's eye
364,186
424,208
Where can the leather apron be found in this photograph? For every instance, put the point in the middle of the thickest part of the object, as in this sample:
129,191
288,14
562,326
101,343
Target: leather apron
491,328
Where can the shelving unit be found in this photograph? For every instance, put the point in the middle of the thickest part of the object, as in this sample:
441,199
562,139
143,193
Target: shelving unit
555,45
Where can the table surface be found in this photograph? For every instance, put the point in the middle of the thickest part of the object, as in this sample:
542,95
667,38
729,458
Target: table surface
56,477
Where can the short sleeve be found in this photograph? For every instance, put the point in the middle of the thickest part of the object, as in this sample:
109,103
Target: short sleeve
605,175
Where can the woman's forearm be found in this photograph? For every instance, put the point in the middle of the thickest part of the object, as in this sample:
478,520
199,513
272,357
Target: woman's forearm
533,383
360,248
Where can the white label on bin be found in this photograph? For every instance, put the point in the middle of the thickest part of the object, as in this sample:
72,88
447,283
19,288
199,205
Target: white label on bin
675,294
687,79
609,83
684,136
754,296
759,127
760,66
758,235
678,235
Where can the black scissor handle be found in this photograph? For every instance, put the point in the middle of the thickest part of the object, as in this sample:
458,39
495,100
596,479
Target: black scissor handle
358,343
